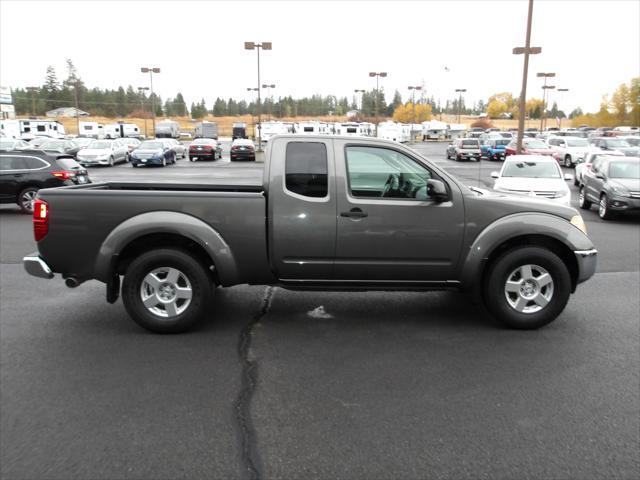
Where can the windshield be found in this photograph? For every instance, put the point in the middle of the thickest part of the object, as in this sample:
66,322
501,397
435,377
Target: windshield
535,144
203,141
470,144
616,143
577,142
99,145
502,142
531,170
620,169
152,145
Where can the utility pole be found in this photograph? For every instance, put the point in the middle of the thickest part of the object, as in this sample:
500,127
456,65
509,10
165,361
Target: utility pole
33,100
413,89
269,87
526,50
75,91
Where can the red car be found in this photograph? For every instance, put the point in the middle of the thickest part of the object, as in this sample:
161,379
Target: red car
530,146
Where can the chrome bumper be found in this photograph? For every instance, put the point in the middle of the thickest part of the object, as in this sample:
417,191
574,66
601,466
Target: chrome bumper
36,266
587,260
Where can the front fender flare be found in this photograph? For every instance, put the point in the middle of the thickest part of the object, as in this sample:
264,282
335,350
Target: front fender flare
510,227
167,222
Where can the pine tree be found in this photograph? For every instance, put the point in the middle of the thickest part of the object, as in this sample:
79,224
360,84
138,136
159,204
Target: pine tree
51,89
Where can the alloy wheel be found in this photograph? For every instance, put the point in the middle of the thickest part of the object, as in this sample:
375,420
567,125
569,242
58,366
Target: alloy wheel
528,289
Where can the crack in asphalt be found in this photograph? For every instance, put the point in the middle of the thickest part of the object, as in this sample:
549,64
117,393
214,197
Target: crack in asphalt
249,454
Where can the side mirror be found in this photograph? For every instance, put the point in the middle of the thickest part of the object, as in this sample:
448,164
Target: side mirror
437,190
568,176
495,175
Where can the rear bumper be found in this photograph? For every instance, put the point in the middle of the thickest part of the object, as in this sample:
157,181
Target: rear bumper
587,260
36,266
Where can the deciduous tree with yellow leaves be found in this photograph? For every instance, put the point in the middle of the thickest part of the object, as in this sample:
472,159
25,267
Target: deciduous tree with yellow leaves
405,113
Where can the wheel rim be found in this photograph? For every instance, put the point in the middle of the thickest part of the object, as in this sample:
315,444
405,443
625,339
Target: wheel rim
529,289
567,162
27,199
166,292
602,208
581,197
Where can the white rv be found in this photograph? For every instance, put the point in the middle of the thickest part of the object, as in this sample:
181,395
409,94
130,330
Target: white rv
393,131
457,130
121,129
91,130
206,130
433,130
269,129
168,129
312,127
28,129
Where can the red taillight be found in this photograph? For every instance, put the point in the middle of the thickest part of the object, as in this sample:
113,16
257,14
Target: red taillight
40,219
63,174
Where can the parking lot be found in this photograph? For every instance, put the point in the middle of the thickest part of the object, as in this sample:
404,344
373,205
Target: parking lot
370,385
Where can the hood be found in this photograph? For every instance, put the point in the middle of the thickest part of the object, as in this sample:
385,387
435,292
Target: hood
506,203
148,151
531,184
631,184
539,151
94,151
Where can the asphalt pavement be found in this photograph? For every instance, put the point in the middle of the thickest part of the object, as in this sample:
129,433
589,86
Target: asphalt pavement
291,385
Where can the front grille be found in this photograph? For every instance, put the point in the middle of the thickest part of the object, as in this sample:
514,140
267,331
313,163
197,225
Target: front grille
538,193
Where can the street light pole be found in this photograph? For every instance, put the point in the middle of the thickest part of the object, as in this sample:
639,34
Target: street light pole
269,87
75,94
460,91
249,89
526,50
258,47
151,71
544,95
413,89
141,91
377,75
562,90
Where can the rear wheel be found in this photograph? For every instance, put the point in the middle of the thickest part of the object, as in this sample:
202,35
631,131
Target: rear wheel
582,199
527,287
26,199
166,290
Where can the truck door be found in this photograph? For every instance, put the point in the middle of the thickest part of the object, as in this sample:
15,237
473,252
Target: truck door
388,228
301,209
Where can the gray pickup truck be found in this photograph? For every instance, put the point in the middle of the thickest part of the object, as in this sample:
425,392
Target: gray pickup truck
331,213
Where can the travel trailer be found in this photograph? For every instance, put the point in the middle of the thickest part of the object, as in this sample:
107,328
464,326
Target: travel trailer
207,130
121,130
91,130
28,129
167,129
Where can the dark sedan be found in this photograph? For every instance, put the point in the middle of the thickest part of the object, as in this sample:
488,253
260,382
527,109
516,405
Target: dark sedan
205,149
243,149
24,172
65,147
152,152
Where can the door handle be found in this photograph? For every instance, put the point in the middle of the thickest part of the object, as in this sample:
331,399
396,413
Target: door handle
18,175
354,213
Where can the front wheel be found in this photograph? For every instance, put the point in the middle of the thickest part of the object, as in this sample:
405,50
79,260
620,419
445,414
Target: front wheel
603,208
164,161
527,288
166,290
582,199
111,162
567,161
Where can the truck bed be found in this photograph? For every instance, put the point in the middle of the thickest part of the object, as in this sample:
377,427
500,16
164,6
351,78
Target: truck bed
81,218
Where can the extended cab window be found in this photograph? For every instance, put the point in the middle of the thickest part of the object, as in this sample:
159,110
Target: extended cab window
375,172
306,169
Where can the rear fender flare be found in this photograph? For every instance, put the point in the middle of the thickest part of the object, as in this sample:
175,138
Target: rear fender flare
173,223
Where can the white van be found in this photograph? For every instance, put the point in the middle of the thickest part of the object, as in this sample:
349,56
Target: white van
91,130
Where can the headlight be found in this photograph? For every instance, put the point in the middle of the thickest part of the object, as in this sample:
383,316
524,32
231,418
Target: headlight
578,222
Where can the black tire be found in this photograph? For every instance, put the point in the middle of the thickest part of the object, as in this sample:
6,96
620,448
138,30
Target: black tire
457,157
26,198
603,208
164,161
198,279
576,183
538,259
567,161
111,162
583,203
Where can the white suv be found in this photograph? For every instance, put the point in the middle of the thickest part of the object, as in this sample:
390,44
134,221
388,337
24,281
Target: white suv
569,150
